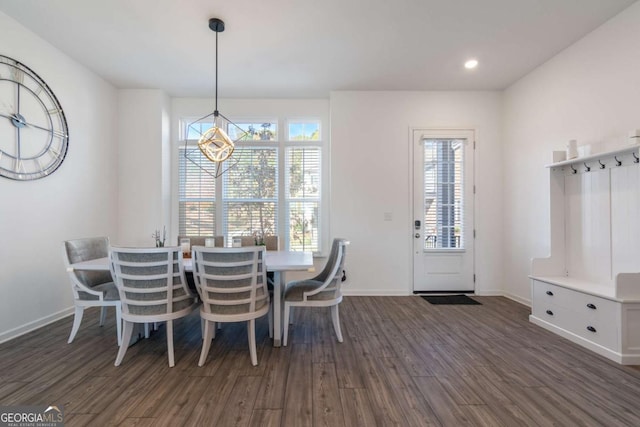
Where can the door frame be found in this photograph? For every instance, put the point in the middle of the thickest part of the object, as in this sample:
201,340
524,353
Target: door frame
410,219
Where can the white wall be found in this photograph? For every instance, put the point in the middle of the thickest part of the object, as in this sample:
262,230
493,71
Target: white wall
370,175
78,200
144,166
589,92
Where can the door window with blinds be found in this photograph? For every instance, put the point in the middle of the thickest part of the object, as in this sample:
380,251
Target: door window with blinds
274,189
443,193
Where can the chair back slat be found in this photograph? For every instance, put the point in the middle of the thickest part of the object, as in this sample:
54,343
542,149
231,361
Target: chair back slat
230,280
150,281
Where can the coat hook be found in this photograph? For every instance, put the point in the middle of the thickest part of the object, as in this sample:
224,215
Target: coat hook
636,159
574,171
587,168
602,165
618,162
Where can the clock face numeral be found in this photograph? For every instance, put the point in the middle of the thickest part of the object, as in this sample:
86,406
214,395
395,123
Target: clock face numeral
18,75
33,128
59,134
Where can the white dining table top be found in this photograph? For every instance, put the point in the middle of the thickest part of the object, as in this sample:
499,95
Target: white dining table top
274,260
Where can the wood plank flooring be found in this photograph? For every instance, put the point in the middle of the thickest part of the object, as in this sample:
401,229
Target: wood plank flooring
403,362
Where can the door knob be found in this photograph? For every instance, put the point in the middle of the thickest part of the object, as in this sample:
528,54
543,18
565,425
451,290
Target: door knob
417,235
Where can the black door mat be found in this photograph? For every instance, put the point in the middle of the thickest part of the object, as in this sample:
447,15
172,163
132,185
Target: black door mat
450,299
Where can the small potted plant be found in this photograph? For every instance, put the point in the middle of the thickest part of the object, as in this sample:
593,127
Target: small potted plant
160,240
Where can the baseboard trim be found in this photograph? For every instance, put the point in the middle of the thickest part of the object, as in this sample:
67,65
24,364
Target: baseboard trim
36,324
523,301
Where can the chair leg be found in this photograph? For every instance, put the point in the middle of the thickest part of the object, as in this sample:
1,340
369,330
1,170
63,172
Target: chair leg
77,319
209,330
251,332
285,333
103,315
126,339
335,316
119,323
170,343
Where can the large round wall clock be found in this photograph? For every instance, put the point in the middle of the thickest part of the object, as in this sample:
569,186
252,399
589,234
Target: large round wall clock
33,129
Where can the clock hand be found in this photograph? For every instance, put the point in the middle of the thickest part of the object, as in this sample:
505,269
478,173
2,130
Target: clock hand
45,129
17,118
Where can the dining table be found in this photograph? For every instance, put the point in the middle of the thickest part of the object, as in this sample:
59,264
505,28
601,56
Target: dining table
278,262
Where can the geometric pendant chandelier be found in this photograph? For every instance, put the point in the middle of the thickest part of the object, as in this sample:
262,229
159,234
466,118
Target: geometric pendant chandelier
214,143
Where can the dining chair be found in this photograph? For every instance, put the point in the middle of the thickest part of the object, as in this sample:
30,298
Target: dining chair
232,286
270,242
152,288
323,290
91,288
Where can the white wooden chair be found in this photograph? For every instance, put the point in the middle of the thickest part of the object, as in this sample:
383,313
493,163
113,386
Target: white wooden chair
324,290
152,288
232,284
91,288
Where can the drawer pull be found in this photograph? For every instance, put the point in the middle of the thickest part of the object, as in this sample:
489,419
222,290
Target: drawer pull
550,293
591,306
591,329
550,313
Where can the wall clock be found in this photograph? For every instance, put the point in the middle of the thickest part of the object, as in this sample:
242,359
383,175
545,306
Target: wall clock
33,129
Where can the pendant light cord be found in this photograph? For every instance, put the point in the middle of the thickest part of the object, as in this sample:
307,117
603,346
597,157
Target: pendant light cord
216,109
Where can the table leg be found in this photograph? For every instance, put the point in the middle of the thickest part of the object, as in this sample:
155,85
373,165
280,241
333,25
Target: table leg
278,286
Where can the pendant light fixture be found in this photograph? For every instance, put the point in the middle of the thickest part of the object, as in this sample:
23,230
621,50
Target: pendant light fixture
214,143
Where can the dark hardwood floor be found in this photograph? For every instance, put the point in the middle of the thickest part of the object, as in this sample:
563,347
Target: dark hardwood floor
403,362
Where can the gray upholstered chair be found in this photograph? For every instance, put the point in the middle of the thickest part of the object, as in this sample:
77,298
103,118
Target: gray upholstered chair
270,242
232,284
323,290
152,288
90,288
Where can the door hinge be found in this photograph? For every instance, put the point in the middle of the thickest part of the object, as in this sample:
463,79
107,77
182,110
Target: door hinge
474,278
474,189
474,233
474,145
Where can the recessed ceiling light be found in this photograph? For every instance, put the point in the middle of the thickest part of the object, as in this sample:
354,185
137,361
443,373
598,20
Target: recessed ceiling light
471,64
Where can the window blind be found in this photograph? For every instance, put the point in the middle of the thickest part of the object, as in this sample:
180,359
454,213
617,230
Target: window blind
250,193
302,196
443,193
196,193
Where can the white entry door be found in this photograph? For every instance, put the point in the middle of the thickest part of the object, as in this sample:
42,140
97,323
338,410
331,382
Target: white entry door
443,231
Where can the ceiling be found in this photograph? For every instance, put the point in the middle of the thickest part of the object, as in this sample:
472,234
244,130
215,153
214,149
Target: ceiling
307,48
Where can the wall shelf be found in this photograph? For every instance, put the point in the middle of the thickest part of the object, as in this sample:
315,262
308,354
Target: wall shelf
631,148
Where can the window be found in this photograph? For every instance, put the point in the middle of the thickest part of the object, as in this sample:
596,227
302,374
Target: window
277,181
443,187
197,196
251,193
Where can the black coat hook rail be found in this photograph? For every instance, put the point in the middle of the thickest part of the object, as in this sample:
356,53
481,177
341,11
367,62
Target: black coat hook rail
618,162
586,167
